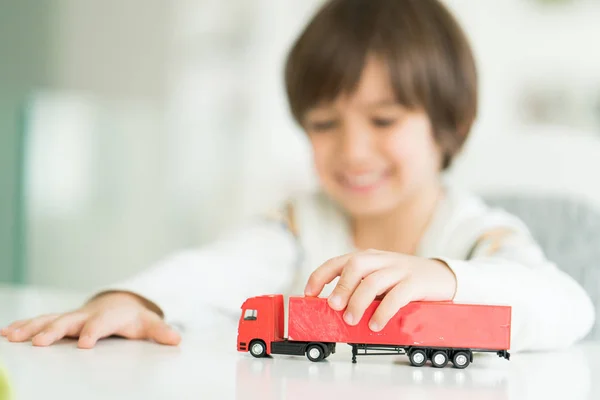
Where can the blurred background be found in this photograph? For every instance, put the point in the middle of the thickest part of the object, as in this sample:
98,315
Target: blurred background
130,129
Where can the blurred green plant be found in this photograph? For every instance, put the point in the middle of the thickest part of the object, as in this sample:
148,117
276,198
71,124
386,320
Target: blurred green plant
5,393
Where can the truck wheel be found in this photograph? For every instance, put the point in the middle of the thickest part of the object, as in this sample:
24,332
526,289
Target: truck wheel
439,359
461,359
315,353
258,348
418,357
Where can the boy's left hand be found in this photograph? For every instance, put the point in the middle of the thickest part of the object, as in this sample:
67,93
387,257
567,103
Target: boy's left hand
365,275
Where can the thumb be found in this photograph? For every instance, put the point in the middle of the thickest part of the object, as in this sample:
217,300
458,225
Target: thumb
162,333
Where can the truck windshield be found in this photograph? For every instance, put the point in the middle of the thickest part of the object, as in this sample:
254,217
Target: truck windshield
250,315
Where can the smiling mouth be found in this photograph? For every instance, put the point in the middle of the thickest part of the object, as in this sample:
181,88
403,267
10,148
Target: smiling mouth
365,182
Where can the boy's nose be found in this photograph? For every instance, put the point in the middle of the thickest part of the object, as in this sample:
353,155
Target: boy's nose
355,146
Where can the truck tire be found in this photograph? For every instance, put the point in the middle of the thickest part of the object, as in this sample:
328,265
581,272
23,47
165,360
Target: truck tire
258,348
461,359
417,357
315,352
439,359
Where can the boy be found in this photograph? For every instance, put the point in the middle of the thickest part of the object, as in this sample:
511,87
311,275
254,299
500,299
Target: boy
386,91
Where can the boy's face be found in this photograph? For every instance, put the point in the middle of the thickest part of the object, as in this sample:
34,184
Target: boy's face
371,154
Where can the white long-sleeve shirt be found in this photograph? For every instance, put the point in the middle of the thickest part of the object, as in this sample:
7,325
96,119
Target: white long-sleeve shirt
492,254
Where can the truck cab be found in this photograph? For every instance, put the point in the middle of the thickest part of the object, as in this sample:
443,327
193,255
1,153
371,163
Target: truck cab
261,323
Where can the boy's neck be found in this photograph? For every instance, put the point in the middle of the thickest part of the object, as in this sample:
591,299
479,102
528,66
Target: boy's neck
400,230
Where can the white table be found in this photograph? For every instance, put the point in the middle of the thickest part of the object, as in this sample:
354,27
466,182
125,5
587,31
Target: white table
207,366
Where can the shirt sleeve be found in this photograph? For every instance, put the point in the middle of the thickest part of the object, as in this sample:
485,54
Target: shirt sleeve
550,310
196,286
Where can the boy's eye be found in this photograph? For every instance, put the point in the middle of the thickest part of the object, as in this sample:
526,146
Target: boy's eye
322,125
383,122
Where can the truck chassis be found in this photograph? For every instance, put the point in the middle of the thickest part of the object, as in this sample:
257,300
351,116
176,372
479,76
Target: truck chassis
418,356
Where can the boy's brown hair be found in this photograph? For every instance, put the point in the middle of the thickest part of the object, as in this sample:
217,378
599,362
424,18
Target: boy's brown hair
429,58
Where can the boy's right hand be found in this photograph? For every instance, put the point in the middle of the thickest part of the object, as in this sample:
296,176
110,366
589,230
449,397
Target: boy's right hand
117,313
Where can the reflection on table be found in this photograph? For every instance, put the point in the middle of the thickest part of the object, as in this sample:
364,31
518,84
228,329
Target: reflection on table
563,374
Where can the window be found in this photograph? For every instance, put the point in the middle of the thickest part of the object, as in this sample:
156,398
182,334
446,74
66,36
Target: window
250,315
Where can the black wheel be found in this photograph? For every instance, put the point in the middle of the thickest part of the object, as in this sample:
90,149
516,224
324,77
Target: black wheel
315,352
439,359
418,357
461,359
258,348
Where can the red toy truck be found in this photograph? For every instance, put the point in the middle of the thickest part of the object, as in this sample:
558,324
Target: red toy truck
436,331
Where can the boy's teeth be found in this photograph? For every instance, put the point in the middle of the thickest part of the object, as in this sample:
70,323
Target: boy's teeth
363,180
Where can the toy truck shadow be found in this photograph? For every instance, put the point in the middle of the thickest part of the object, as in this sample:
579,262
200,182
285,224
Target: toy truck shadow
278,378
566,374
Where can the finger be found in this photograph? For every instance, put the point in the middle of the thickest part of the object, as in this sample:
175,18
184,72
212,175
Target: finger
14,326
325,273
398,297
67,325
30,328
350,277
372,286
162,333
331,269
96,328
358,267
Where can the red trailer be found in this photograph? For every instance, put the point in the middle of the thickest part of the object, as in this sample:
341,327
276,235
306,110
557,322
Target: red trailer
435,331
